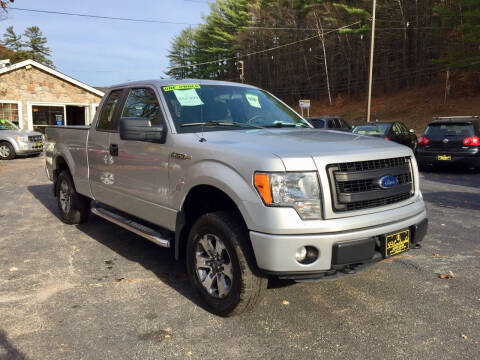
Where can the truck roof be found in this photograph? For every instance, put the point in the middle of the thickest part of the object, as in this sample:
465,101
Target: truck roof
453,119
166,82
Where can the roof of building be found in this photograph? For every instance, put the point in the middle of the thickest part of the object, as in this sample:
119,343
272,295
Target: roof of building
52,72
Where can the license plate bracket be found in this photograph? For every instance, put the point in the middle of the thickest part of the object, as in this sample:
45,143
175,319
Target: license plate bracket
396,243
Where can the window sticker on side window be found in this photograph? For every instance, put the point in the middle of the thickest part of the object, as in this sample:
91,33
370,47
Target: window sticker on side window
188,97
181,87
253,100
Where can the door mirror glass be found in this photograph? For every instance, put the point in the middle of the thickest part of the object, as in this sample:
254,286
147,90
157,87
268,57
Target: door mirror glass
141,129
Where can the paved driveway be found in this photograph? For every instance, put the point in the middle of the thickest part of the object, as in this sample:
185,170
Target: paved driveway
96,291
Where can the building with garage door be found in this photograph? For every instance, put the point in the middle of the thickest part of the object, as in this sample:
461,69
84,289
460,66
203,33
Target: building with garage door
34,96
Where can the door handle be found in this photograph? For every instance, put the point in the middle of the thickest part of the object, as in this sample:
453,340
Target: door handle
114,149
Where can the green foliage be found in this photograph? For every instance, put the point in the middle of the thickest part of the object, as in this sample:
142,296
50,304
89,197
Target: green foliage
34,47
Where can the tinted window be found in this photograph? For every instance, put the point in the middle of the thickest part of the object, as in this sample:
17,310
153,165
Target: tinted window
452,129
343,124
142,103
397,130
317,123
105,120
331,124
403,128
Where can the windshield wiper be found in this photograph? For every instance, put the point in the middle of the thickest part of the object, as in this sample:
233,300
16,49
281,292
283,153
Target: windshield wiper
282,124
218,123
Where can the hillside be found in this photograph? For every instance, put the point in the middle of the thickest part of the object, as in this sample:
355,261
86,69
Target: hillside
415,108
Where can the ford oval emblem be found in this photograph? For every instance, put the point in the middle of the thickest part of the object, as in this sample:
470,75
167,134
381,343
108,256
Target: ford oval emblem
387,182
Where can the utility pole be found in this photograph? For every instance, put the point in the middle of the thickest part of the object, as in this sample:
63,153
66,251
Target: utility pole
322,39
372,44
242,69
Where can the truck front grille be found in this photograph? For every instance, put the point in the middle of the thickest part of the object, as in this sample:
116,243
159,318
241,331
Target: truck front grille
355,185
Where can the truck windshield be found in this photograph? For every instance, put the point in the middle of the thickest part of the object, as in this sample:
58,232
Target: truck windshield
7,125
196,107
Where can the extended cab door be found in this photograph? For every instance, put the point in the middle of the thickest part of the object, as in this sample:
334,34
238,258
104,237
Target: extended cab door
140,168
99,158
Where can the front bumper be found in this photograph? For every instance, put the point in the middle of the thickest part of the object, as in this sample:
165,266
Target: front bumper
275,254
28,148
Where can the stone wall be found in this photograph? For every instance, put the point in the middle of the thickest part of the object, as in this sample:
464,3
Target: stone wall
35,85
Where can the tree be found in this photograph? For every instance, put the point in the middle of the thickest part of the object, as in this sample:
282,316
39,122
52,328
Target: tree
36,45
11,40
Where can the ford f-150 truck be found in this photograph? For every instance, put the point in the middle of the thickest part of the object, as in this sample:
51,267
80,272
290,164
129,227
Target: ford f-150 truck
238,184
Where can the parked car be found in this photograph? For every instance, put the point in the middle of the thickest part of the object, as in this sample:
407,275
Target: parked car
14,141
448,140
394,131
238,184
329,122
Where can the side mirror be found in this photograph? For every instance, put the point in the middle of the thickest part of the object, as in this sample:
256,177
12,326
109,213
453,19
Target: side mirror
141,129
412,131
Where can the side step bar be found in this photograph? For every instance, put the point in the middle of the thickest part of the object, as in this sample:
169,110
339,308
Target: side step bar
139,229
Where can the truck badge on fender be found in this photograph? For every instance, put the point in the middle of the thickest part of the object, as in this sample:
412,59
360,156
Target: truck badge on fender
180,156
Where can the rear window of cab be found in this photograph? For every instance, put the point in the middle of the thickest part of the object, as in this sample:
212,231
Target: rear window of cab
450,129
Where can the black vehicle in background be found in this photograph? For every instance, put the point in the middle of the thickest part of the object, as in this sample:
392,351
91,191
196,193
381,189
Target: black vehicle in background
394,131
329,122
449,140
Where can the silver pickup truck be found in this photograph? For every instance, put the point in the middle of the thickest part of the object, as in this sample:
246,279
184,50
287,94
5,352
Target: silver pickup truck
238,184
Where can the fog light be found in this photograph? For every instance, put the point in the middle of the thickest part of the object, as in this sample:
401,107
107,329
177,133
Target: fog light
307,255
301,254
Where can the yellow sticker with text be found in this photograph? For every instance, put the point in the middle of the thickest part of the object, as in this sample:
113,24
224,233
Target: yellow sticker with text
181,87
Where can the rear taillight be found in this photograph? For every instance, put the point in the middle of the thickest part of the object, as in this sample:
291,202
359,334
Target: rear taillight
423,141
471,141
387,138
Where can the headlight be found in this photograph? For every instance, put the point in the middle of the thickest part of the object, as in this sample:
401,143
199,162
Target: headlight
298,190
21,138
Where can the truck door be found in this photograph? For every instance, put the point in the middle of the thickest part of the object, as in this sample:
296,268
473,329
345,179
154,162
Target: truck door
140,168
99,158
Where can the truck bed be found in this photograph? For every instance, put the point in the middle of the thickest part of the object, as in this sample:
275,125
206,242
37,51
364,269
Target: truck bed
71,142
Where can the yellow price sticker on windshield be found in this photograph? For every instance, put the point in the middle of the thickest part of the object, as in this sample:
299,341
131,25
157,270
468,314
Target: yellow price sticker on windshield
181,87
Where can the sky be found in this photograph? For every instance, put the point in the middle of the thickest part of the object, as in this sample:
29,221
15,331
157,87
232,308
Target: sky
103,52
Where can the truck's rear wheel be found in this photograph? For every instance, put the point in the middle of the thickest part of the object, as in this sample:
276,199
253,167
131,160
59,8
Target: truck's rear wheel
220,265
74,208
7,152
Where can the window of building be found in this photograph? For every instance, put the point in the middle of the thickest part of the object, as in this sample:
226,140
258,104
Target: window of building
9,111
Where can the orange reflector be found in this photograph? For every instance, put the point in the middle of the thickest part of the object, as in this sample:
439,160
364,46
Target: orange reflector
262,183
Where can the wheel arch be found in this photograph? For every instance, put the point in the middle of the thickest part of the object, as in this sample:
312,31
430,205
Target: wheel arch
201,199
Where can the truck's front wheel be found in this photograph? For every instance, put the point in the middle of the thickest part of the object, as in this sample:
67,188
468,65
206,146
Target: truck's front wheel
74,208
221,265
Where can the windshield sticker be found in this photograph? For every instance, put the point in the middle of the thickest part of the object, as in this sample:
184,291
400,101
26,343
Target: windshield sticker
181,87
253,100
188,97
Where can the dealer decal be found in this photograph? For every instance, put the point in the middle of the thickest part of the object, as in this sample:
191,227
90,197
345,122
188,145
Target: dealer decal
181,87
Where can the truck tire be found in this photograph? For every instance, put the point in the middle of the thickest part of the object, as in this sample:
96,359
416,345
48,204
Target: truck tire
7,152
74,208
221,265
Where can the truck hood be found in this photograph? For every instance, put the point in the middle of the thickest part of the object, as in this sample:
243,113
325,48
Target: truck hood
300,148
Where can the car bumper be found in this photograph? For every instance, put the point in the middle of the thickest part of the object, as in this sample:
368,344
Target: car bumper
467,158
28,148
275,254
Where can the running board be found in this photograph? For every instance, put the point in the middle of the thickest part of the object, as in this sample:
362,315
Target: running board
139,229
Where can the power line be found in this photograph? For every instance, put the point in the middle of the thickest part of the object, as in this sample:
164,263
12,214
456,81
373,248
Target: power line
156,21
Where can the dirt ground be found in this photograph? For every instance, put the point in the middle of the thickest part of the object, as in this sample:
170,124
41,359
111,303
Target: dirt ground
96,291
415,108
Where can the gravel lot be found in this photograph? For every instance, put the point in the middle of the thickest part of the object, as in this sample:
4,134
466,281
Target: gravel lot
96,291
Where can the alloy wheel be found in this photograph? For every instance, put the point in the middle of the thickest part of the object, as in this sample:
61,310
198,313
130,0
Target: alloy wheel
213,265
64,197
4,151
